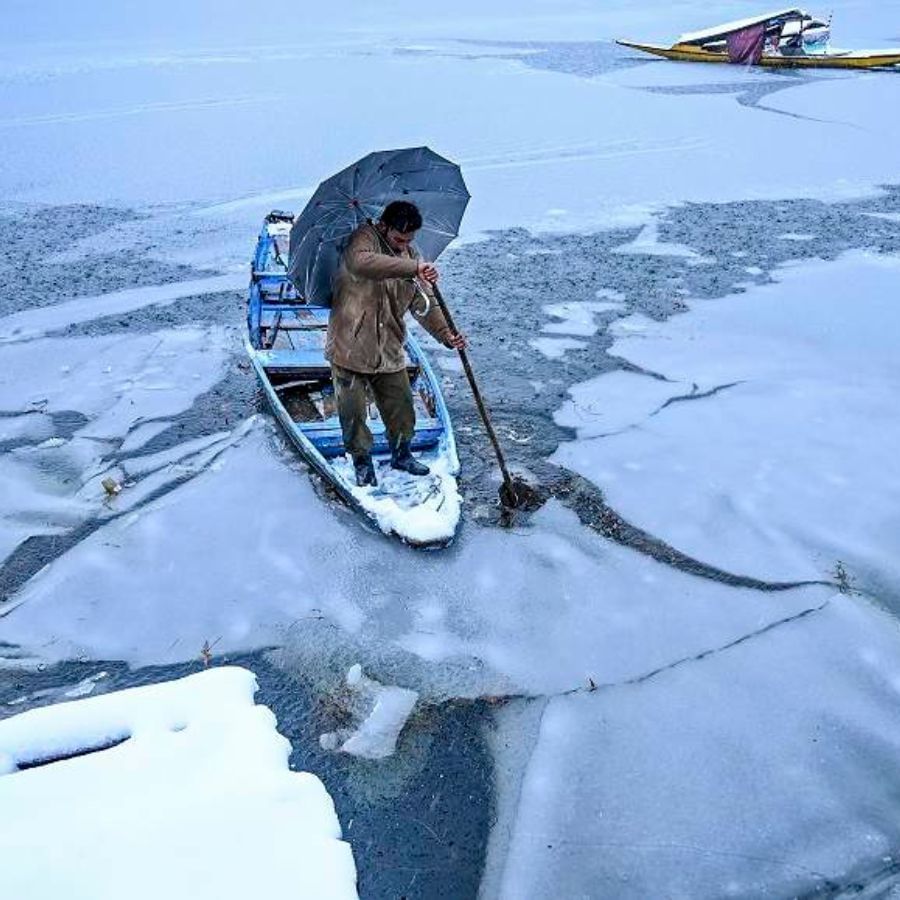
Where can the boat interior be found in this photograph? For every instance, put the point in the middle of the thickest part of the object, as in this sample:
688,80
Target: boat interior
791,32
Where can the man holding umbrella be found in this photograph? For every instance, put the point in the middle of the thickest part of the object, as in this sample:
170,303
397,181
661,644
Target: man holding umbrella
380,277
351,249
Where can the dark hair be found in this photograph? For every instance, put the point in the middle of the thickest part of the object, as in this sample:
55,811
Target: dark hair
402,216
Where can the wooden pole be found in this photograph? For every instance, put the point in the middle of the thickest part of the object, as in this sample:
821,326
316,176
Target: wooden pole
510,490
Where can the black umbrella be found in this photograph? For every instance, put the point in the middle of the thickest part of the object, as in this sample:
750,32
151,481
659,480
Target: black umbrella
360,193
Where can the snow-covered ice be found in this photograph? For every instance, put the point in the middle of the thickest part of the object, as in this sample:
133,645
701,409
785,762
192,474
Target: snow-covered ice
115,380
244,580
193,798
577,318
113,383
760,771
556,347
540,149
34,323
778,458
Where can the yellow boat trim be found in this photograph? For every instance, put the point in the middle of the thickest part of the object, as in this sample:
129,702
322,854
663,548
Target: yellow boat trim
693,53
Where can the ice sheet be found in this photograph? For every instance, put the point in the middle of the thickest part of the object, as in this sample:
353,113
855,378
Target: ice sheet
199,793
111,383
764,770
34,323
783,462
564,606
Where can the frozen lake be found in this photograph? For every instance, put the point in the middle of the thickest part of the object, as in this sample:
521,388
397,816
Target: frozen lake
681,676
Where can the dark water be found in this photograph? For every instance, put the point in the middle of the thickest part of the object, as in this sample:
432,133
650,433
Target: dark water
31,236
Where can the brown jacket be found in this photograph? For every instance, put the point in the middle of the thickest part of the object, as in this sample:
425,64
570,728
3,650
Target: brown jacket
372,292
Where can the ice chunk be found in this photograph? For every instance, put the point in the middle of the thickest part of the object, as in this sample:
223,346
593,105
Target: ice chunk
35,323
354,675
377,736
27,426
555,348
577,317
85,686
141,434
380,712
617,400
647,243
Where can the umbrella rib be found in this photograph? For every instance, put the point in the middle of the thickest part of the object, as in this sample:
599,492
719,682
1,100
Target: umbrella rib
401,176
331,218
388,184
361,191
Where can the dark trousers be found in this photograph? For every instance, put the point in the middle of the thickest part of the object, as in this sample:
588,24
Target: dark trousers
393,397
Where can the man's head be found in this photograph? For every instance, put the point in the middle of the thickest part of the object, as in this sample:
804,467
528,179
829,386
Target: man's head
399,223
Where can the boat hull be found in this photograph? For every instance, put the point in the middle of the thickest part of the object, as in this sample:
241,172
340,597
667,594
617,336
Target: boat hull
850,60
285,346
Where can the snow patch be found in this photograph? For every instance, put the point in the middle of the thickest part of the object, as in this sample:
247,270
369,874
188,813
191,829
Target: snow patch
420,510
194,793
647,243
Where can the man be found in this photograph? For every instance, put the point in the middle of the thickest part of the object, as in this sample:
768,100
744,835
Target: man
374,287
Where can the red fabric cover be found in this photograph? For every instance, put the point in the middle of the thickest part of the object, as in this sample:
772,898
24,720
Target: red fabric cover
746,46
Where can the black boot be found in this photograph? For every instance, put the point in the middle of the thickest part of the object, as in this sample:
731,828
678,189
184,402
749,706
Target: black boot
365,471
402,459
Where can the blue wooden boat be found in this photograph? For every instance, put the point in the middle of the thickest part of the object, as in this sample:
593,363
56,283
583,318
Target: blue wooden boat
285,343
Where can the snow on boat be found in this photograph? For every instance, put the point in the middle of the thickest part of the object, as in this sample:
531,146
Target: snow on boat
286,342
786,38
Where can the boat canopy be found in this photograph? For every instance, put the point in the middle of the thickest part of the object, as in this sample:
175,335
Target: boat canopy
769,21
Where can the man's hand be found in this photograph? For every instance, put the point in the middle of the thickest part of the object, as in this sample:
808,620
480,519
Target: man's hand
457,341
427,271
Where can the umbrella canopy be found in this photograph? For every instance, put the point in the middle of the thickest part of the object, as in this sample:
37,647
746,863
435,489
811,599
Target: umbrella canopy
360,193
